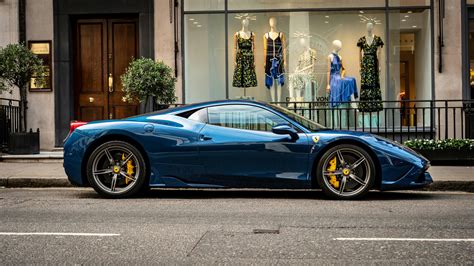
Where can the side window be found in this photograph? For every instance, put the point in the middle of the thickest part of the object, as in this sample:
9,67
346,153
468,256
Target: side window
199,116
244,117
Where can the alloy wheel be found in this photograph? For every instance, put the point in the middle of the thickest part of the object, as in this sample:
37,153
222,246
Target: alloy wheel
346,172
115,169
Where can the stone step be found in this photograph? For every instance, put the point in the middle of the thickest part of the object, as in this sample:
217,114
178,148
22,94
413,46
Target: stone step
44,156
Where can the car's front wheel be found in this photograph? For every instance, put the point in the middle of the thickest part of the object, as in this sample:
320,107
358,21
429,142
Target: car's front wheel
116,169
345,172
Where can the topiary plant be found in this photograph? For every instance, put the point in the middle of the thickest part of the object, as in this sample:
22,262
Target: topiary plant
146,78
17,65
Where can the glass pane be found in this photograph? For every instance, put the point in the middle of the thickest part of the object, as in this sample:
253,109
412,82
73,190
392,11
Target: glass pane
308,41
203,5
244,117
410,66
471,57
280,4
403,3
204,57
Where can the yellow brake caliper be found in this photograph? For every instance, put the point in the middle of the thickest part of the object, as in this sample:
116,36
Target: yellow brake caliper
332,167
130,168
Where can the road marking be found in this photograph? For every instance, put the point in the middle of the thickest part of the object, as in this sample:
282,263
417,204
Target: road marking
405,239
53,234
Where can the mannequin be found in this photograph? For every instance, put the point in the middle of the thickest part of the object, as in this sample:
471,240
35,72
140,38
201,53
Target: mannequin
274,49
340,87
302,81
244,59
370,96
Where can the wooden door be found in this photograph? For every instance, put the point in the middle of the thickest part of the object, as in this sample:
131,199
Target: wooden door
104,48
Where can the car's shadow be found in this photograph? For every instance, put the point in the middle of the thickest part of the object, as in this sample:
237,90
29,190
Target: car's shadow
273,194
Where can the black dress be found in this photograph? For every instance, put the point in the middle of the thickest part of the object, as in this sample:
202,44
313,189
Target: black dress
274,61
244,72
370,93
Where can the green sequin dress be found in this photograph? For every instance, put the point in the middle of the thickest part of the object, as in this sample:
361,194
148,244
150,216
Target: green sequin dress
370,93
244,72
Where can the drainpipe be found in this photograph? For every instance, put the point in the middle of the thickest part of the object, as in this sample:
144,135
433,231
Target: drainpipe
441,14
22,40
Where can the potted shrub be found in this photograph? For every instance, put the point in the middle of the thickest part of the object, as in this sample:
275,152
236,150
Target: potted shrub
144,78
446,150
17,65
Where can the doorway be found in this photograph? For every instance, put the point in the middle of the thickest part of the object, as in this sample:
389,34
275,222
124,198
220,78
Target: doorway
407,77
103,49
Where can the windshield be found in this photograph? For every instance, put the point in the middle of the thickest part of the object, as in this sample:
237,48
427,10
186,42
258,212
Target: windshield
308,124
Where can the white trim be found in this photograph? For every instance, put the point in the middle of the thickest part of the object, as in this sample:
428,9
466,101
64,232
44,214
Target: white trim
404,239
53,234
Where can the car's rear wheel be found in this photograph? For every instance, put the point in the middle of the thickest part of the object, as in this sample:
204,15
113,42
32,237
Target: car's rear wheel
345,172
116,169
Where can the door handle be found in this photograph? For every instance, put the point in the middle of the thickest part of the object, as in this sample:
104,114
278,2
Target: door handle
204,138
111,83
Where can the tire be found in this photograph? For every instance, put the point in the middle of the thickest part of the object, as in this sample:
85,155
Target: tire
349,177
116,169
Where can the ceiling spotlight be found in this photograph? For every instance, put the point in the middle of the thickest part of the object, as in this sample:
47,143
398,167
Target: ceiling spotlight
326,16
414,26
191,19
198,26
407,16
195,22
403,20
362,12
326,22
409,12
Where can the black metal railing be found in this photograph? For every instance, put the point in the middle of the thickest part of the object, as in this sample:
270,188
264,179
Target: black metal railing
398,120
9,120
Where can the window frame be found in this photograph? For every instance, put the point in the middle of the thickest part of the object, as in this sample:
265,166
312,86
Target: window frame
228,12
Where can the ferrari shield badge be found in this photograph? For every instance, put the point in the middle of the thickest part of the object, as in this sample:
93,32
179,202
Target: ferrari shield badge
315,139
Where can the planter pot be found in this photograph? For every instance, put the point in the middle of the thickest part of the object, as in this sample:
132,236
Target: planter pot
24,142
159,106
440,156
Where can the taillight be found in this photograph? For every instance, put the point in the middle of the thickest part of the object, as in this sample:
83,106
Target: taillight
74,125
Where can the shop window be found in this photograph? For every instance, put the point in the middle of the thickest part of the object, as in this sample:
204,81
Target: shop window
285,4
306,40
203,5
204,50
287,57
471,57
410,64
405,3
244,117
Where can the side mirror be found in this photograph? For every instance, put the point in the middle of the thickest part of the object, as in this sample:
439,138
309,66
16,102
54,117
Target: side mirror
285,129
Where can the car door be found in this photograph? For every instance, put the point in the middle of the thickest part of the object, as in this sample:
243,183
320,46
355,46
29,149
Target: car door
239,149
172,148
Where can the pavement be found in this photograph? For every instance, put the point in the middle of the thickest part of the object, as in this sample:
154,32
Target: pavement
23,172
206,227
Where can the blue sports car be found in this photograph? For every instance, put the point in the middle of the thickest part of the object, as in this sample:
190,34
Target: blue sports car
235,144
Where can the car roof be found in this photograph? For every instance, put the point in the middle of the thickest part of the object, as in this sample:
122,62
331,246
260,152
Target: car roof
189,107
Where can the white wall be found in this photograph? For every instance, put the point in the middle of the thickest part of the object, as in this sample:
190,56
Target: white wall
9,32
39,26
448,84
164,40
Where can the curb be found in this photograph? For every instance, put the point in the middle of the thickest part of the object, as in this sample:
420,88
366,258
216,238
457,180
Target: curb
27,182
465,186
17,182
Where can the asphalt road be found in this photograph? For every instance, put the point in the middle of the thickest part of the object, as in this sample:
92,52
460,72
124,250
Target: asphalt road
51,226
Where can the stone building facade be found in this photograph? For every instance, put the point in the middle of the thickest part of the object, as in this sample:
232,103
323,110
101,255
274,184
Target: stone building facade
202,53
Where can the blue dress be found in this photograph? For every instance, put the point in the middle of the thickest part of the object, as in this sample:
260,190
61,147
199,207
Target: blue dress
341,89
